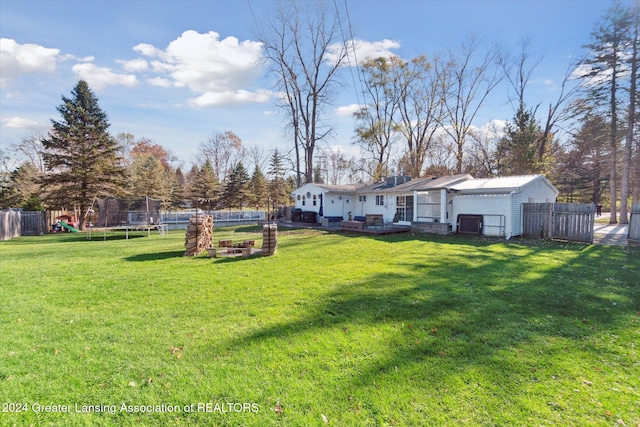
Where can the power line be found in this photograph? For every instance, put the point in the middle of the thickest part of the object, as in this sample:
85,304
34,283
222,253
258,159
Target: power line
353,47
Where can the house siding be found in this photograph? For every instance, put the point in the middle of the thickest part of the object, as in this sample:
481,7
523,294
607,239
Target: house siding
494,208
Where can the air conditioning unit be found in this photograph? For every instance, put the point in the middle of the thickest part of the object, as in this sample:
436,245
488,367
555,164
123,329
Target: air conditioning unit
469,224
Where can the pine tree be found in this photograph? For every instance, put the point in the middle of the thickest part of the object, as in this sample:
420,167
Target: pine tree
518,148
178,188
235,192
150,178
80,155
603,79
258,188
277,184
22,190
204,185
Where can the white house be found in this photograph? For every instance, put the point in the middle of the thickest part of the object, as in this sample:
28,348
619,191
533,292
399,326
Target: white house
435,205
335,200
497,203
399,199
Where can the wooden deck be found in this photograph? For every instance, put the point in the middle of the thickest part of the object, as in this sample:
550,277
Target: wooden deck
379,230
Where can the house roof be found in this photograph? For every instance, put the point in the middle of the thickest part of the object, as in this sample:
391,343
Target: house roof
350,188
434,183
502,184
339,188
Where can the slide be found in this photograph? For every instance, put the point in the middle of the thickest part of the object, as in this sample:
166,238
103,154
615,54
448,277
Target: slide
68,227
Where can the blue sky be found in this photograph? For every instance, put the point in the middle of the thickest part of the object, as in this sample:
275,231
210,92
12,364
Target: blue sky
178,72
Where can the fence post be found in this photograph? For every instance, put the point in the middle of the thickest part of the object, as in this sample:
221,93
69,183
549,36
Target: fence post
633,232
9,224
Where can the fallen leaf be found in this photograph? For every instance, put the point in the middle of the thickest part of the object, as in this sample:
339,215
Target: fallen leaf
132,384
325,419
278,408
587,382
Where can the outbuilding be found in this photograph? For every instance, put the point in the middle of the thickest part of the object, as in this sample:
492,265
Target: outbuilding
493,206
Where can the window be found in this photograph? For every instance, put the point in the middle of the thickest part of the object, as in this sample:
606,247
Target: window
314,200
362,198
304,202
429,205
404,208
379,200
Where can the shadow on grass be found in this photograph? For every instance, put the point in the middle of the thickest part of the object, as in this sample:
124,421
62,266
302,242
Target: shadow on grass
156,256
469,309
72,238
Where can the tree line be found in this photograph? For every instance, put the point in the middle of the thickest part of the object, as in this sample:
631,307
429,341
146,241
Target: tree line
77,160
418,116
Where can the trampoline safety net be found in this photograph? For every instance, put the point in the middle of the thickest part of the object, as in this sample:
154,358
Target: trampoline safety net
116,212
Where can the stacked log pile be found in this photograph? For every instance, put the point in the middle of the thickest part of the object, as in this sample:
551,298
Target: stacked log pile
269,239
199,235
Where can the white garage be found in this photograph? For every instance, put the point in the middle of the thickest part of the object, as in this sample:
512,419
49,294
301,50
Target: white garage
493,206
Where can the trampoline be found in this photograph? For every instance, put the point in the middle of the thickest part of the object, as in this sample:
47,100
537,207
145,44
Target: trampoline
135,214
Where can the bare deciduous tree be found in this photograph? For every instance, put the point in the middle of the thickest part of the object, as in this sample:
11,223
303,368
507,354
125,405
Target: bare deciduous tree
376,132
30,147
222,150
470,80
304,47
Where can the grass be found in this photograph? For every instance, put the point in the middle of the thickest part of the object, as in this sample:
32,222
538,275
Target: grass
335,329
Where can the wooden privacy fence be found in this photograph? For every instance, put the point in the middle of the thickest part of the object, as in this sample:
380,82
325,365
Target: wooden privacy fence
33,223
537,220
634,224
9,224
563,221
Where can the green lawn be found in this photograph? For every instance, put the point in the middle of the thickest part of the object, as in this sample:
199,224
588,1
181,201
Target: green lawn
335,329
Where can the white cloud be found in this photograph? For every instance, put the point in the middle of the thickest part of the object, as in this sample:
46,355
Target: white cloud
230,98
18,59
348,110
159,81
20,123
221,70
492,129
134,65
361,50
71,57
147,50
99,77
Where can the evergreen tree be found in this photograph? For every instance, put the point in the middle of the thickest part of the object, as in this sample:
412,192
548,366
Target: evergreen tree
179,188
22,190
204,185
518,148
150,178
603,79
580,172
277,183
236,191
258,188
80,155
